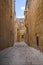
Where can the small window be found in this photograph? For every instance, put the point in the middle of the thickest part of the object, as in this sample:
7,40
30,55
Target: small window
22,36
17,29
11,16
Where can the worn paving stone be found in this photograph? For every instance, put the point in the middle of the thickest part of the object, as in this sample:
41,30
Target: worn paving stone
21,54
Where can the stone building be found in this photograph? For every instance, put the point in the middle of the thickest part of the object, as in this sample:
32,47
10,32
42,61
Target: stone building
27,22
6,24
22,30
35,24
15,31
19,30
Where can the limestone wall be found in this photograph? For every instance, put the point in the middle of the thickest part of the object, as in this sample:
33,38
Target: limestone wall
6,24
36,14
35,24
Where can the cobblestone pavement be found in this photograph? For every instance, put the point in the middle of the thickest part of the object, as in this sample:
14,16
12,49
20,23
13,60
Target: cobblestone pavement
21,54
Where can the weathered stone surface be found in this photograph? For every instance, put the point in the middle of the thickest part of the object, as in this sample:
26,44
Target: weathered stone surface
21,54
20,30
34,19
6,24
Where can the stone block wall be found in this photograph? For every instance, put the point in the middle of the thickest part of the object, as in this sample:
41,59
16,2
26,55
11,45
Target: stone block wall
36,14
35,24
6,24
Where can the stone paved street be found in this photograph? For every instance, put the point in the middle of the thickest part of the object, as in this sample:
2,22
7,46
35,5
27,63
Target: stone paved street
21,54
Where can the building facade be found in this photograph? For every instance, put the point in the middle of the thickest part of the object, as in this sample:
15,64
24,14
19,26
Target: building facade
27,22
6,24
35,24
19,30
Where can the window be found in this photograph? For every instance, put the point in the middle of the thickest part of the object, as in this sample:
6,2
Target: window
22,36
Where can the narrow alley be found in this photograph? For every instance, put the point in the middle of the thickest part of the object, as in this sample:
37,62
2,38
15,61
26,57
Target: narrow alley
21,32
21,54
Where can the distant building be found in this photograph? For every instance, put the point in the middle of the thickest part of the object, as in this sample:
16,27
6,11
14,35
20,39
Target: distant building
20,30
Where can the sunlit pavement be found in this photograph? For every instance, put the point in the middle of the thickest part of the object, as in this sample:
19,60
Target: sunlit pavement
21,54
